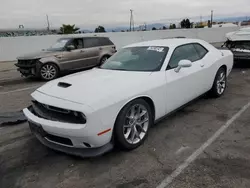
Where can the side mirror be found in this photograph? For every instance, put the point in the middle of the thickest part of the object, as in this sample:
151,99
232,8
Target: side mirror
183,64
70,47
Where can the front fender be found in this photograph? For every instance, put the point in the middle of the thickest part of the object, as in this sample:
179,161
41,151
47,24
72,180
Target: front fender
51,59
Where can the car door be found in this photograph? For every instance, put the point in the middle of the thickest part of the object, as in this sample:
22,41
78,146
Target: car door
206,64
92,48
187,84
74,58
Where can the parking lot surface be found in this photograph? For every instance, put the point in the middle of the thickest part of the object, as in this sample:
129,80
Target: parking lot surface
24,162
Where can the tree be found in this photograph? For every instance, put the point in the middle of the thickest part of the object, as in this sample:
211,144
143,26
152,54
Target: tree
68,29
100,29
172,26
188,24
154,28
185,23
164,27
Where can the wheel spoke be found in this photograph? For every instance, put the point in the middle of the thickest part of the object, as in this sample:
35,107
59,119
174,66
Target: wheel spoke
143,113
142,122
133,136
137,135
129,131
141,129
127,126
222,78
133,111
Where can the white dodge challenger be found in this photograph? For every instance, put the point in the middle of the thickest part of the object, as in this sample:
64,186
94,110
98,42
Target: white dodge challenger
87,113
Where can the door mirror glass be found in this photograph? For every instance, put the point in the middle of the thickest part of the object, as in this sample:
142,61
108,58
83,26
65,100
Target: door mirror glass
70,47
183,64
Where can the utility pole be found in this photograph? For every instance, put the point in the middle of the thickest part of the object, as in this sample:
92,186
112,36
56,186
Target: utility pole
48,27
212,12
132,21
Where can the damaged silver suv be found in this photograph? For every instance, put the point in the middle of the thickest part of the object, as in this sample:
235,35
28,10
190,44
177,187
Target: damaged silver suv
67,54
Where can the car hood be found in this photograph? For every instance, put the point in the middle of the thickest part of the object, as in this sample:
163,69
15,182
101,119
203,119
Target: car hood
97,85
37,55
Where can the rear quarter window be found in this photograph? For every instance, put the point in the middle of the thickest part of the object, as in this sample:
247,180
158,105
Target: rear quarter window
91,42
201,50
106,42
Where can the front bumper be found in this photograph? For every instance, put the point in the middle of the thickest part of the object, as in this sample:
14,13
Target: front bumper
29,69
84,153
71,144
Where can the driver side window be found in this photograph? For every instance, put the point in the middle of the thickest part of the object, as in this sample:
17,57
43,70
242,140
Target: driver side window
77,43
184,52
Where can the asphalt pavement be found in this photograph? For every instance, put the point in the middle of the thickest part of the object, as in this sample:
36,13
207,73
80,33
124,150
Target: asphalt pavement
26,163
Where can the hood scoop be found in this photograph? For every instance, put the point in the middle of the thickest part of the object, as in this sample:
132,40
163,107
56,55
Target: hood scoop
63,84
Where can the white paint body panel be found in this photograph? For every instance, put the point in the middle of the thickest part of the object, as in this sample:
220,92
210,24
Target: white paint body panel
101,94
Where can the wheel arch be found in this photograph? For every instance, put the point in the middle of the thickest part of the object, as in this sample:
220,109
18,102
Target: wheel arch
223,66
51,62
146,98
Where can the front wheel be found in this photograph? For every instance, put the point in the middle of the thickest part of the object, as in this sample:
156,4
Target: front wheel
220,83
132,124
49,71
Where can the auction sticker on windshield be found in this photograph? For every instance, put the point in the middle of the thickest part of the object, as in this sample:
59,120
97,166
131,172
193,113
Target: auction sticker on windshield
157,49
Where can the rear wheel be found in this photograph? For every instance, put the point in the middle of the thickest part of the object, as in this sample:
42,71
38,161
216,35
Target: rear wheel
220,83
103,59
132,124
49,71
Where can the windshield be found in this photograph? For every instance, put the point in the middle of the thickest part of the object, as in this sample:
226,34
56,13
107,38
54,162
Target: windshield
59,45
145,58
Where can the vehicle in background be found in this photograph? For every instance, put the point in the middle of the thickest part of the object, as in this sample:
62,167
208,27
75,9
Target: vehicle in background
87,113
239,43
67,54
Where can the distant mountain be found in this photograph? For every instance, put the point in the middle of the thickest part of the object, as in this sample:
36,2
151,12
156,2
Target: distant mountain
232,19
124,28
165,22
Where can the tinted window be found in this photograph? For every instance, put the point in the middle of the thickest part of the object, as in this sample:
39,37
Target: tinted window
59,45
146,58
105,42
77,43
185,52
201,50
91,42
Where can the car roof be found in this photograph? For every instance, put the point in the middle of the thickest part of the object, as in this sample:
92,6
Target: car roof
174,42
73,37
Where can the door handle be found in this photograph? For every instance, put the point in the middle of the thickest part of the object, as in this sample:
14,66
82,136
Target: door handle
82,51
100,48
202,65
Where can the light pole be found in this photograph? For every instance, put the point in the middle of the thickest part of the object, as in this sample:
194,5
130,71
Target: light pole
131,21
212,12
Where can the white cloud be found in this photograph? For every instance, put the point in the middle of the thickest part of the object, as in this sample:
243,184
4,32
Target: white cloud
89,13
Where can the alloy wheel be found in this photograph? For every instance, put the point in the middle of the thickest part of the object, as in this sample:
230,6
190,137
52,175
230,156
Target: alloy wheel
48,72
136,124
221,83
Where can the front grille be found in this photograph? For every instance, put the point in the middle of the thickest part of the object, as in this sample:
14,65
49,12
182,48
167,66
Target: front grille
56,114
26,63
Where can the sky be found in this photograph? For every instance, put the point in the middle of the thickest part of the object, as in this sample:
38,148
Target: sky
109,13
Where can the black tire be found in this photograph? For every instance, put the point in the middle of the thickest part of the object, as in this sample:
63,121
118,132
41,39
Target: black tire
215,92
50,76
119,130
104,59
